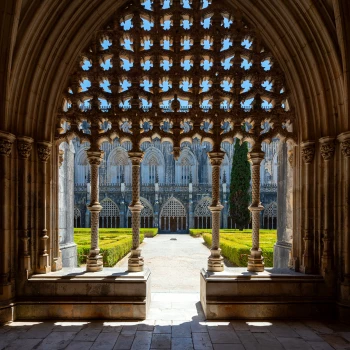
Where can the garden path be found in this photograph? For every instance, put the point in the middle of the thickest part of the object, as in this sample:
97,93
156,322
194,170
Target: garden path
175,261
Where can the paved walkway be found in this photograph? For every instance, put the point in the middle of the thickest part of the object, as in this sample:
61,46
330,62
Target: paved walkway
175,261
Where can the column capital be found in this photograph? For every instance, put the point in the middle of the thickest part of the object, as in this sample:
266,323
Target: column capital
216,158
6,141
135,157
44,150
256,157
95,157
327,147
308,151
344,140
24,146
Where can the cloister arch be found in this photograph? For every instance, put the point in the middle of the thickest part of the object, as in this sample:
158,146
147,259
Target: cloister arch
202,214
309,41
146,215
173,216
110,214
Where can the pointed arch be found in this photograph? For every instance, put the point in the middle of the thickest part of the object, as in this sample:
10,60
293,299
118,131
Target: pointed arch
173,216
77,217
147,214
82,167
118,166
110,214
186,167
270,216
153,166
202,214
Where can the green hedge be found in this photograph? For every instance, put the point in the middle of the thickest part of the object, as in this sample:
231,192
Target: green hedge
147,232
236,246
113,246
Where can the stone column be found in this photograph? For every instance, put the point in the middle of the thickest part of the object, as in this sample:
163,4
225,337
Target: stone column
255,259
190,222
327,149
135,262
344,140
156,205
308,153
24,147
44,152
224,197
94,261
215,261
6,141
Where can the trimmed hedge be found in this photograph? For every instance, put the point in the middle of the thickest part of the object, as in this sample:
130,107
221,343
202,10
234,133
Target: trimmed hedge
236,246
113,246
147,232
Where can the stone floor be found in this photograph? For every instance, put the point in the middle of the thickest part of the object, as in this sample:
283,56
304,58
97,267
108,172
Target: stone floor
185,255
176,322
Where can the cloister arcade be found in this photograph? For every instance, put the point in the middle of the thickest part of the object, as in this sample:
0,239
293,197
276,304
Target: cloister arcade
178,72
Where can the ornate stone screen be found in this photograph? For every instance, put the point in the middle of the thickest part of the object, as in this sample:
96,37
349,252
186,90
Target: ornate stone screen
270,216
77,217
173,216
202,214
109,215
146,215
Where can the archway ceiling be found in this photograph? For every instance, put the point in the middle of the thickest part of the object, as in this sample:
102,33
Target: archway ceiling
52,34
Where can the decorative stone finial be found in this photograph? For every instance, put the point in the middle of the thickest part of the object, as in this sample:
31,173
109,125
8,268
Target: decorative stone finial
24,146
308,151
44,150
344,140
6,141
327,147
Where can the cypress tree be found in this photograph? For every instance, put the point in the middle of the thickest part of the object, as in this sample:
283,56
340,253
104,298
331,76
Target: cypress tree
239,186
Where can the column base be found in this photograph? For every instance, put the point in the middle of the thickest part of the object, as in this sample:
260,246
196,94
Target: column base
135,262
44,264
216,261
94,262
256,261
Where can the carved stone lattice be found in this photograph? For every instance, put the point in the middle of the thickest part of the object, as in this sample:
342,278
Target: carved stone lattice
202,208
173,208
109,208
147,211
199,62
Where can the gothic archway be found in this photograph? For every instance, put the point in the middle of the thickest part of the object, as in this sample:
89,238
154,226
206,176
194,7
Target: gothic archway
202,214
77,217
270,216
173,216
109,215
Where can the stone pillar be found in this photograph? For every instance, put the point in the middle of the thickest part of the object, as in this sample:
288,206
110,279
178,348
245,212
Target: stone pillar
24,147
156,205
255,259
344,140
44,153
283,246
6,141
94,261
225,211
135,262
66,205
308,153
215,261
190,206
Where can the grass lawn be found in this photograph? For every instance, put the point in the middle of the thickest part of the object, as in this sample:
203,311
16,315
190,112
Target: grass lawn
115,243
235,245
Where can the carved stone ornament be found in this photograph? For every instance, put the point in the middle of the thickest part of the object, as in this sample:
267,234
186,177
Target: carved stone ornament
24,146
6,141
95,157
327,147
344,140
60,157
308,151
291,157
44,150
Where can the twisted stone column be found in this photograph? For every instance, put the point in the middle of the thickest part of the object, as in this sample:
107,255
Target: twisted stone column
308,153
44,153
255,259
135,262
94,261
24,148
215,261
6,141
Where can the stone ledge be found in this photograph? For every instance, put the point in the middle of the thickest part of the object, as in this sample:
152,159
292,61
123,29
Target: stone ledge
274,293
73,293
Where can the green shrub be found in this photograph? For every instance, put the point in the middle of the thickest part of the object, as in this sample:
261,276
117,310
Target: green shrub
235,246
113,246
148,232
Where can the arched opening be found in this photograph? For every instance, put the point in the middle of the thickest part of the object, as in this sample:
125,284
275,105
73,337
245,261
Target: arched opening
202,214
77,217
146,215
109,215
173,216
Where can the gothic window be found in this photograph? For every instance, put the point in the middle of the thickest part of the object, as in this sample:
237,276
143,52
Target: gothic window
147,214
77,217
186,171
82,167
118,166
173,216
202,214
109,215
153,166
186,167
270,216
